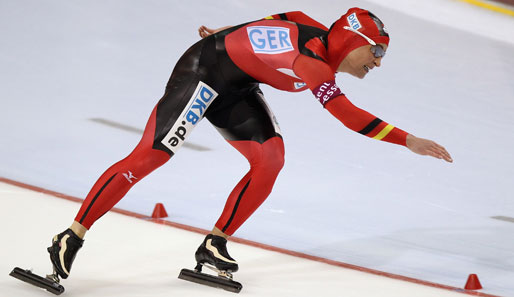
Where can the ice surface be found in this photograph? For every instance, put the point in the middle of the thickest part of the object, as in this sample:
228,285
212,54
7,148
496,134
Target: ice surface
131,257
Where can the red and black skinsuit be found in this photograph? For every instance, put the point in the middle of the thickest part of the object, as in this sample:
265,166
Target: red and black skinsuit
218,78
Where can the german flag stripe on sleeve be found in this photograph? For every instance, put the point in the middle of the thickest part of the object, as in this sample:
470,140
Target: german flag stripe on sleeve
384,132
279,16
283,16
371,126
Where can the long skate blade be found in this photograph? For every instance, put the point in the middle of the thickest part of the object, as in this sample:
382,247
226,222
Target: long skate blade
36,280
210,280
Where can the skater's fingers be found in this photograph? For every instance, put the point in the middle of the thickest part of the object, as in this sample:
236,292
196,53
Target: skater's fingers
434,154
443,153
446,155
204,31
211,31
439,153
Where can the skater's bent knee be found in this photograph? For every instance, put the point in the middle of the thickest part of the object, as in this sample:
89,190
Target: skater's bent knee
271,160
143,161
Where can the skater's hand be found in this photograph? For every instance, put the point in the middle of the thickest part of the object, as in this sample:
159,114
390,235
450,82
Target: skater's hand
427,147
205,31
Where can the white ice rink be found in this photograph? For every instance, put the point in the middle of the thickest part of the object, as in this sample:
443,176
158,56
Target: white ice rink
68,66
147,261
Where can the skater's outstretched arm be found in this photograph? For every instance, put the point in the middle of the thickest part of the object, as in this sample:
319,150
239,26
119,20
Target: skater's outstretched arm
367,124
321,80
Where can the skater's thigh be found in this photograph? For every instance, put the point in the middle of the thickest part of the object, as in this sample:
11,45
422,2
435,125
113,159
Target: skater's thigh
248,117
180,109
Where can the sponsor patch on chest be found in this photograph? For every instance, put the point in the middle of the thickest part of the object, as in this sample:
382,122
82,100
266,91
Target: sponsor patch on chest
269,40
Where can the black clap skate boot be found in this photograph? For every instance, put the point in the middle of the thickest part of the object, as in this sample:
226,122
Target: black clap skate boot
63,251
213,254
213,251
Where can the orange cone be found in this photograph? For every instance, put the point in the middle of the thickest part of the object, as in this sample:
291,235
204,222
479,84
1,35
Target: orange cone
473,283
159,211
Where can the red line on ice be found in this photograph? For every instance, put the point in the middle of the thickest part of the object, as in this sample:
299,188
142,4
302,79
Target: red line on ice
253,243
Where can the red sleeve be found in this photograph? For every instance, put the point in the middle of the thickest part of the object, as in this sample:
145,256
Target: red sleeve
321,81
298,17
312,71
363,122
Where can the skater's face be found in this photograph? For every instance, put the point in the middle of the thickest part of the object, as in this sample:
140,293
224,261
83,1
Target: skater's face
362,59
